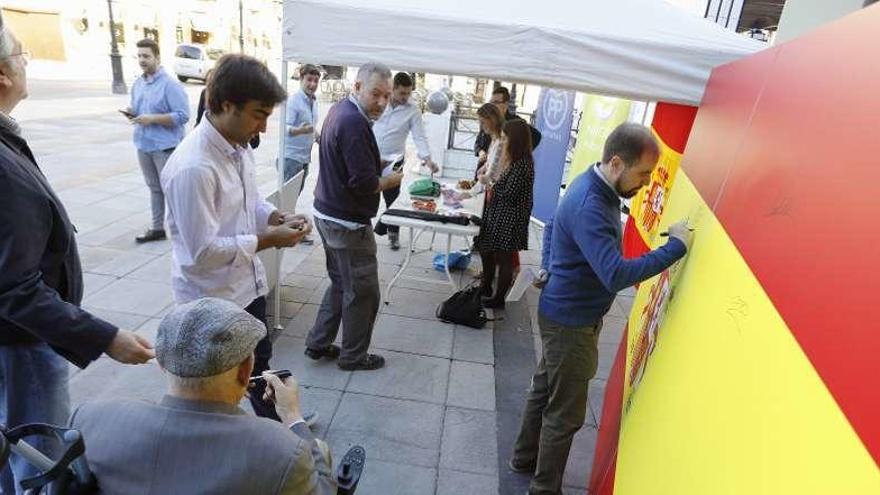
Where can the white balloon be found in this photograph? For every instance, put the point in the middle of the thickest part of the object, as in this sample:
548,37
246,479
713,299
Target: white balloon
437,102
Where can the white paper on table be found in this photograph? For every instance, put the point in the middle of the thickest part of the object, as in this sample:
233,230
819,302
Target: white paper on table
523,281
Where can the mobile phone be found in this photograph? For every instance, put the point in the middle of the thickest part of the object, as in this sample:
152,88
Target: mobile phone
282,374
398,165
127,114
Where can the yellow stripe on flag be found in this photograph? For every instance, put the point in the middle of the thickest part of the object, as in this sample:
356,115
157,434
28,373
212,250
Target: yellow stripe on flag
722,399
648,206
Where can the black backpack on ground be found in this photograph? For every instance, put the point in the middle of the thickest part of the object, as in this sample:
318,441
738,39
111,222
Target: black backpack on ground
464,308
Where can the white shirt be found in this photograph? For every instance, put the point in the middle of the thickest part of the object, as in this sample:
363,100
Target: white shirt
214,214
393,126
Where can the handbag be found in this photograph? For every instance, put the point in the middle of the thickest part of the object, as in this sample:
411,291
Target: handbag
463,308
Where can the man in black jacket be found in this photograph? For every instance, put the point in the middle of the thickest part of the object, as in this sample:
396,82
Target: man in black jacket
41,285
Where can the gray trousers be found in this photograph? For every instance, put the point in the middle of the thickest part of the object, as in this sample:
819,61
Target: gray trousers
152,163
556,404
353,296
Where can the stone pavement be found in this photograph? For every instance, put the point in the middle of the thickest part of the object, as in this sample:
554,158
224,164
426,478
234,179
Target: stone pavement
429,420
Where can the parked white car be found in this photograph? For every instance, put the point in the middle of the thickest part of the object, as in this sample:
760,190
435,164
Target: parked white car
193,61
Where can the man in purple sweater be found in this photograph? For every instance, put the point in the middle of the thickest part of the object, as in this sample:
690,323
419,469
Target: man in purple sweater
346,200
586,271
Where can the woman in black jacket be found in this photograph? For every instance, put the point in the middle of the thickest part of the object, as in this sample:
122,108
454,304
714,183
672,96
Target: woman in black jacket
505,227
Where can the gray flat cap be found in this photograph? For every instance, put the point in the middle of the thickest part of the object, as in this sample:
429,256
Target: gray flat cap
206,337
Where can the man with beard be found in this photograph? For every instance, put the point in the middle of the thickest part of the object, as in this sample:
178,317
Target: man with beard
587,270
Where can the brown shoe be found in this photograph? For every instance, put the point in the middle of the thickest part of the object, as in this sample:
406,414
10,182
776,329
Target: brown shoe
150,235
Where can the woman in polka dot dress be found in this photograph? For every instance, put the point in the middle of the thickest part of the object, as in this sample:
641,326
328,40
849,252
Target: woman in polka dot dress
505,227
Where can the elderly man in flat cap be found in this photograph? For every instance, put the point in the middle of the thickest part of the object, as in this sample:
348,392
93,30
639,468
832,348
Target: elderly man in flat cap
197,439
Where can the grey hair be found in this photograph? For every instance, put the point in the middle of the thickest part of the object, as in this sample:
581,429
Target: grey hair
194,384
7,44
369,70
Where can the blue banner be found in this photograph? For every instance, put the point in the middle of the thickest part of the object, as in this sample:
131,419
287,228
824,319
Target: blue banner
554,121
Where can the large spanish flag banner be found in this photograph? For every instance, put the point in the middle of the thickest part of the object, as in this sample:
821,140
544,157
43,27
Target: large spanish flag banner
751,366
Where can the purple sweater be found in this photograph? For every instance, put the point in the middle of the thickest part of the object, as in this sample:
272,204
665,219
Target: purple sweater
350,166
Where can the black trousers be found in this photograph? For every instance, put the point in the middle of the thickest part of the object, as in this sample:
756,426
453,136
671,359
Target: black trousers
390,196
262,355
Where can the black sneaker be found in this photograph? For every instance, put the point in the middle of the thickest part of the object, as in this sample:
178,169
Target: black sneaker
525,469
150,235
329,352
367,363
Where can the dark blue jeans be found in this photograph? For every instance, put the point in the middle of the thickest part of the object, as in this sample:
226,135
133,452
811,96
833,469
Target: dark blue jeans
33,389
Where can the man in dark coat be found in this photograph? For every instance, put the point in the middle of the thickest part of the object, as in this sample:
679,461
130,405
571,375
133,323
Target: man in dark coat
41,285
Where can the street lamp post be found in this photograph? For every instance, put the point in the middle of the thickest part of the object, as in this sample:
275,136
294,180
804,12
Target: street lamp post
241,26
119,87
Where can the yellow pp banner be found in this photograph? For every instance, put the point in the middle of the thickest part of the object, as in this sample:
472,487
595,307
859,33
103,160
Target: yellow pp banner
599,116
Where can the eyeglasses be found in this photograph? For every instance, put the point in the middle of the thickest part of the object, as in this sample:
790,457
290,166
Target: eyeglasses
24,54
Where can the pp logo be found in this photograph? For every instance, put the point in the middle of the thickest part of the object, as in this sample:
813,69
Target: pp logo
555,108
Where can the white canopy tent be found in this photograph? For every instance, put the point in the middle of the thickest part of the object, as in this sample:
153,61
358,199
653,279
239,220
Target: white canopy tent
644,50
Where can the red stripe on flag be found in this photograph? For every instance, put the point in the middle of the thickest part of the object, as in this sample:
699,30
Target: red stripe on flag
800,198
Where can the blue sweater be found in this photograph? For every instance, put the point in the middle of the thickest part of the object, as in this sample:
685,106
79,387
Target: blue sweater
350,166
586,266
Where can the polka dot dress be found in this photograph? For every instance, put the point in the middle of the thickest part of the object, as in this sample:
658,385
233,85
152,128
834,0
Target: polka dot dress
506,216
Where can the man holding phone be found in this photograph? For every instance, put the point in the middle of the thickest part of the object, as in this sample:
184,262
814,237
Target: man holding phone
209,444
400,118
217,219
159,110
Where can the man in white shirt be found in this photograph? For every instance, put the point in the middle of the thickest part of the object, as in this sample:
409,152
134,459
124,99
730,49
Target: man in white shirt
401,117
217,219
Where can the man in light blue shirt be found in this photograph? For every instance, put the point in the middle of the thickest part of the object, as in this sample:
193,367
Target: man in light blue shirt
302,116
159,109
400,118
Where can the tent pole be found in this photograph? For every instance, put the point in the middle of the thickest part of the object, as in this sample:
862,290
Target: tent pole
279,170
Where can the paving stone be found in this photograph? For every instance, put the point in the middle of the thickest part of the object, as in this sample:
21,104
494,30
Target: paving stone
287,353
324,402
389,478
129,203
596,398
392,430
149,329
125,263
296,294
91,257
412,303
84,195
301,324
405,376
580,459
157,270
93,282
92,217
132,296
108,379
612,330
303,281
127,321
606,359
469,441
475,345
398,333
451,482
472,385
